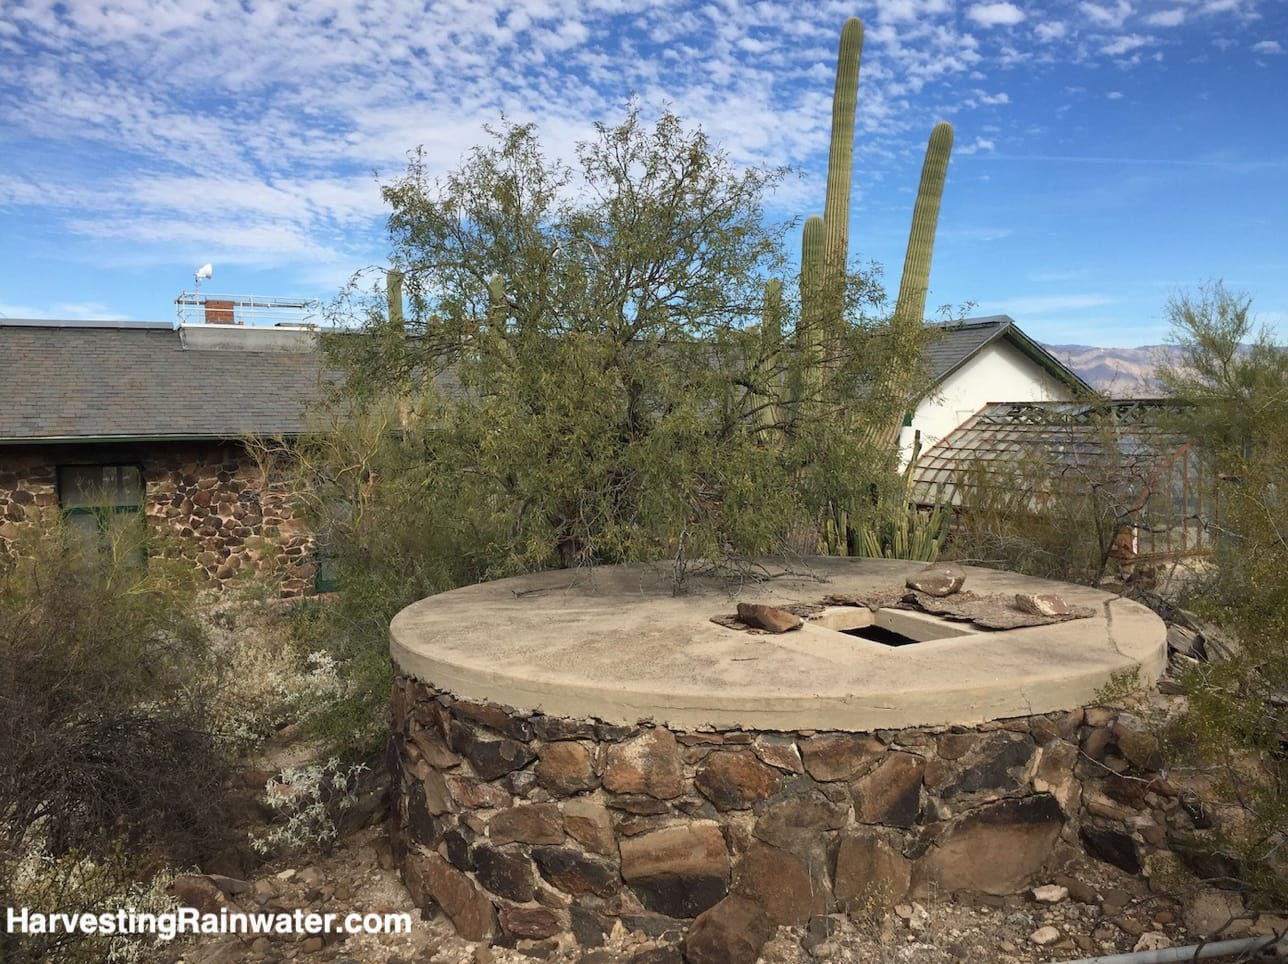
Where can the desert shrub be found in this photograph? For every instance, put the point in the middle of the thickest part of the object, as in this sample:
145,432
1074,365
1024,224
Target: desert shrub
107,754
73,882
1075,490
1234,379
395,531
310,801
1039,520
263,675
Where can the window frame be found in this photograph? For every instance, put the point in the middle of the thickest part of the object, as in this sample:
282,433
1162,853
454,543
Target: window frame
105,513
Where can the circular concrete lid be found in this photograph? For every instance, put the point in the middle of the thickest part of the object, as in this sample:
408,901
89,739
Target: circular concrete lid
615,644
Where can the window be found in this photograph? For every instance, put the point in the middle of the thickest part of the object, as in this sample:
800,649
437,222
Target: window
102,501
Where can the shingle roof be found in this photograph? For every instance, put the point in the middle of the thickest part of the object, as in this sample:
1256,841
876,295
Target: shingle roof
102,380
953,344
73,380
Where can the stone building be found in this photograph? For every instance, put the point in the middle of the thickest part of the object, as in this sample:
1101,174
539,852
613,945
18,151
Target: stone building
106,423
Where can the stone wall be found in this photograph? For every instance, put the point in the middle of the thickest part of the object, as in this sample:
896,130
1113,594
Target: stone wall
208,503
521,826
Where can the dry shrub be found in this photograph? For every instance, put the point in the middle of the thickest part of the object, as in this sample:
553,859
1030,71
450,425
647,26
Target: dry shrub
106,752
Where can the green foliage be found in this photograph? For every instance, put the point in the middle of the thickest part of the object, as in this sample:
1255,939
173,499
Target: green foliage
618,385
1124,690
397,530
1233,380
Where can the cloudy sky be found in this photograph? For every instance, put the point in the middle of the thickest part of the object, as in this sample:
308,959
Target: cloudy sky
1108,154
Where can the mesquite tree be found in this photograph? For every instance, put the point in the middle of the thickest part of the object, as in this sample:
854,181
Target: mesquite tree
617,365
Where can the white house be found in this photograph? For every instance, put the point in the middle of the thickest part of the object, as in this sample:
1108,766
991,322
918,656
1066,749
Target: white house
982,360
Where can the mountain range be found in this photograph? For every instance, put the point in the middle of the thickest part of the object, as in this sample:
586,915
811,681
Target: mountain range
1118,372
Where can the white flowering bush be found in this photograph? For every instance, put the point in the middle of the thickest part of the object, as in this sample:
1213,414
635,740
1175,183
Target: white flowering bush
310,800
77,882
263,678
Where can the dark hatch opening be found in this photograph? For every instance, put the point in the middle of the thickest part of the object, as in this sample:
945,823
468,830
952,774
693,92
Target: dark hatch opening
879,634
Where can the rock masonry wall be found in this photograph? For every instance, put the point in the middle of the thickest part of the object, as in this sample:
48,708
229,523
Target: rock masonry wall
523,826
207,503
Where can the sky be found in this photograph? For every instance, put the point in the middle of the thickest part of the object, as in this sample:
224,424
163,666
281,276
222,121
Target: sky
1109,155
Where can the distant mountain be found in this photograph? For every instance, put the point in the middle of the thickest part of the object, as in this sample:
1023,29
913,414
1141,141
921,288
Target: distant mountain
1118,372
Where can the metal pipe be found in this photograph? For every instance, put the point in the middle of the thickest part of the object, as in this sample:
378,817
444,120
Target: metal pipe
1194,952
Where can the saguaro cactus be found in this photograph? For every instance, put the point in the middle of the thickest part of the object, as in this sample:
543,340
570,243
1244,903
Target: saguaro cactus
824,261
896,380
825,255
840,177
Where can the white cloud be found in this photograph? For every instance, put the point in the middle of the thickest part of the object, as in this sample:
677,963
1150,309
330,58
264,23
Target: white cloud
905,11
255,127
996,14
1114,95
1050,30
1166,18
980,144
1110,17
1125,44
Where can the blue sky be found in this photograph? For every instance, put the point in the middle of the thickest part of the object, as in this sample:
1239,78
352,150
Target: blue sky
1108,153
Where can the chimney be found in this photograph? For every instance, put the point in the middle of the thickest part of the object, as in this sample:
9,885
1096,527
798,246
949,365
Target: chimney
219,313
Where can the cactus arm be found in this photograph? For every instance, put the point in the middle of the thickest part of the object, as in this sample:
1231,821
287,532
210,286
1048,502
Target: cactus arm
766,413
910,308
809,332
394,296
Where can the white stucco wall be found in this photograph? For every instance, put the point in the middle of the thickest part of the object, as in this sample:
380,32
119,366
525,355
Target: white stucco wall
999,372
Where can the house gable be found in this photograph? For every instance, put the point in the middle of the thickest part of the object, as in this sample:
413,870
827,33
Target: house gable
979,361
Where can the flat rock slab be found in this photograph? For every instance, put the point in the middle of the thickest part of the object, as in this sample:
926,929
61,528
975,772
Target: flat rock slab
993,611
615,643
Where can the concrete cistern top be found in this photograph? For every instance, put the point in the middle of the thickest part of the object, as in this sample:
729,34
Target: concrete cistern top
614,643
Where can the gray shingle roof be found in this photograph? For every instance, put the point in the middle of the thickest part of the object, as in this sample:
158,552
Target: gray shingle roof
77,380
953,344
87,380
